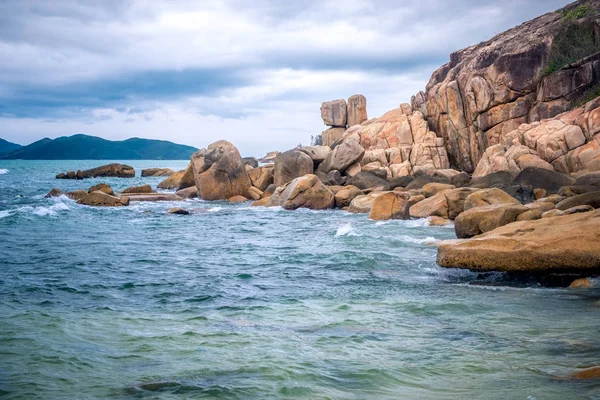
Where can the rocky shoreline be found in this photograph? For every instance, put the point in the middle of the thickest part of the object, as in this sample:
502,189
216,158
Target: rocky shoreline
503,143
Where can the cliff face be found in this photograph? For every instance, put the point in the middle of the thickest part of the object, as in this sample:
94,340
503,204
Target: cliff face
534,71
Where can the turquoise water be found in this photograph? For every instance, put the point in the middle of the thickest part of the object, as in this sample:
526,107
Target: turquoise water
235,302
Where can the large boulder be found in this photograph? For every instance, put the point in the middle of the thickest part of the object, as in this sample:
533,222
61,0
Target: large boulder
334,113
363,204
357,109
456,200
332,135
187,179
344,197
219,172
500,179
114,170
261,177
590,199
436,205
342,156
157,172
187,193
290,165
101,199
478,220
487,197
366,180
390,205
138,189
317,153
539,178
303,192
567,243
250,161
103,187
172,181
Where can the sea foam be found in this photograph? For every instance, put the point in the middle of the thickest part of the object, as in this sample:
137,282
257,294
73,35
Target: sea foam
346,230
3,171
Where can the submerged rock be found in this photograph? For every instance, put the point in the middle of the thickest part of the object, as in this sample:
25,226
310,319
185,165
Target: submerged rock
154,197
567,243
179,211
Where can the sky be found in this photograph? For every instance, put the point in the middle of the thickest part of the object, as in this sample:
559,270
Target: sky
251,72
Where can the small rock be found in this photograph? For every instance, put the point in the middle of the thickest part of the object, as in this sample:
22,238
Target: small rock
552,213
438,221
582,283
179,211
578,209
54,193
262,202
588,373
237,199
138,189
103,187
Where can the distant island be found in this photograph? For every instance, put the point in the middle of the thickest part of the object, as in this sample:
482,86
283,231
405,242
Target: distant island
8,147
85,147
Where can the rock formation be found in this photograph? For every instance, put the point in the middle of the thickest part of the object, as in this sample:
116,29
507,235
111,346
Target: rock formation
488,90
157,172
110,170
219,172
545,245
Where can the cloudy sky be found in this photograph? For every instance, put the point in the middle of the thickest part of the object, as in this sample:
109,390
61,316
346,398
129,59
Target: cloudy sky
252,72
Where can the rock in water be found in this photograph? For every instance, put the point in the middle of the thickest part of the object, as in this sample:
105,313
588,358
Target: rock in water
157,172
102,199
290,165
187,180
303,192
111,170
483,219
103,187
179,211
187,193
390,205
138,189
172,182
357,109
567,243
219,172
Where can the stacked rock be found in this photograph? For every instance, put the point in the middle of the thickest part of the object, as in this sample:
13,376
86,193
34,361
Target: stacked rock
340,115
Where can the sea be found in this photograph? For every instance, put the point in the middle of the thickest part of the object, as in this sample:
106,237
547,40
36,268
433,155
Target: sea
240,302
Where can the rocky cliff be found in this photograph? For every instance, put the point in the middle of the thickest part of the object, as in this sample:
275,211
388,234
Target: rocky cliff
534,71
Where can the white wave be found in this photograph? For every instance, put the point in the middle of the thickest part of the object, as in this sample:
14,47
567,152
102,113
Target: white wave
427,240
346,230
380,223
416,223
44,211
215,209
4,214
3,171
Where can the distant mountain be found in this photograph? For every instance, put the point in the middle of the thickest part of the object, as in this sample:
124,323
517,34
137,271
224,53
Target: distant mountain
8,147
84,147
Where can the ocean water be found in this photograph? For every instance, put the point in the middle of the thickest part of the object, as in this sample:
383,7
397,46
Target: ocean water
235,302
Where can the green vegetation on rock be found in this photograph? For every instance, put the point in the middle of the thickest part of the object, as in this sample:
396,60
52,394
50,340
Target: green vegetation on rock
574,40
